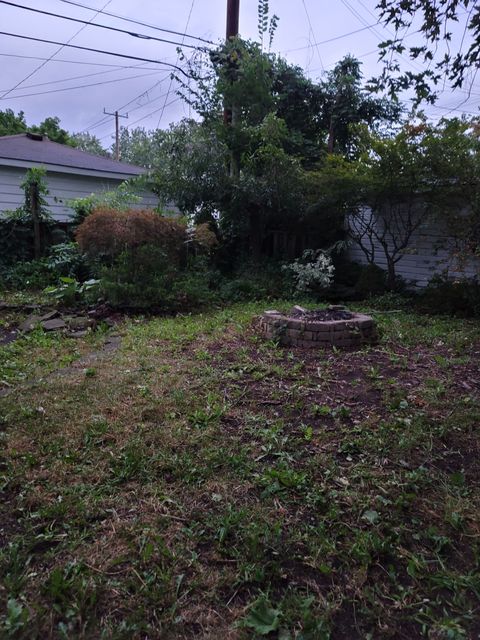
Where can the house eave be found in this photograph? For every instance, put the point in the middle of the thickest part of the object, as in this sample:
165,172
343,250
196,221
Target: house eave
58,168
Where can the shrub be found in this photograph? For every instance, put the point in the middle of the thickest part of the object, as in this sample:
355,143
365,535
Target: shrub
32,275
451,297
372,280
313,272
110,233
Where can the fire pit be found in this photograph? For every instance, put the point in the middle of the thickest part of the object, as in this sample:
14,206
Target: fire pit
334,326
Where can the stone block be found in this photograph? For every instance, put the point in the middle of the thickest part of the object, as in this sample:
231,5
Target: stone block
54,325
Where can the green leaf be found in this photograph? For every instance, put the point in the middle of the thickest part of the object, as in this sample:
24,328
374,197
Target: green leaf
370,516
67,280
262,618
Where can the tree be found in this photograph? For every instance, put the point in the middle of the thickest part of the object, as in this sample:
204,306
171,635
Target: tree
435,22
11,124
141,147
345,103
87,142
50,127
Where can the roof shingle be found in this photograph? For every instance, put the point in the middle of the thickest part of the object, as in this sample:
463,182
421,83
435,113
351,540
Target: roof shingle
41,150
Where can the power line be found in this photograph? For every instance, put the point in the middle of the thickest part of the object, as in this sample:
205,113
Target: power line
171,78
83,62
80,86
312,32
85,75
108,53
100,26
40,66
143,24
316,44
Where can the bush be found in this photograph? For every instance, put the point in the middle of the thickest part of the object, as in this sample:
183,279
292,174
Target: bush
257,282
313,272
372,280
110,233
451,297
32,275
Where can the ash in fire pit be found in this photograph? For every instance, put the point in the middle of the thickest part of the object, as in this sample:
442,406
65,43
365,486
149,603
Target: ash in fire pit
334,326
321,314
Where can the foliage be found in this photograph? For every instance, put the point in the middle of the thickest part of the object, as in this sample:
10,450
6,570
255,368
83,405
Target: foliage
436,23
35,180
451,297
70,291
66,259
110,232
120,198
88,142
203,238
372,280
262,617
27,274
20,238
264,24
11,123
51,128
312,272
345,103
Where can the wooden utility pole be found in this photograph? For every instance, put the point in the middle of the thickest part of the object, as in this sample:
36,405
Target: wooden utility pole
117,130
229,111
233,13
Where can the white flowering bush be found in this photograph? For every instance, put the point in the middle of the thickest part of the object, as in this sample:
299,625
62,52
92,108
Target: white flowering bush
313,271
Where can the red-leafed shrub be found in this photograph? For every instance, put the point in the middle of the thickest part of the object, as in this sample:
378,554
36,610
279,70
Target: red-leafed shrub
108,232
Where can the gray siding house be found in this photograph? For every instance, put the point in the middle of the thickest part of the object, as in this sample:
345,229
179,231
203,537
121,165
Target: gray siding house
71,173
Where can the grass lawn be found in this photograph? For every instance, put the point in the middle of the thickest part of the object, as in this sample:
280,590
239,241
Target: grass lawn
201,482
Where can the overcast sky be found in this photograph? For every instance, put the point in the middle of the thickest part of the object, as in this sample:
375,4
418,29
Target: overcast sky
144,90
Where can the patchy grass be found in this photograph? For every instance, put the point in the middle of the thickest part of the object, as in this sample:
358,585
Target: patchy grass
204,483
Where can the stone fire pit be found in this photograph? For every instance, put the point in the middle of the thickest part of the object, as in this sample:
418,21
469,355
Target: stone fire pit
334,326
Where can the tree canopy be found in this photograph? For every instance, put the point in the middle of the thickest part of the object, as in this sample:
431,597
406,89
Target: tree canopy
455,23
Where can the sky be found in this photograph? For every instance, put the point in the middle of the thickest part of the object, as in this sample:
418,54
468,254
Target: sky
45,79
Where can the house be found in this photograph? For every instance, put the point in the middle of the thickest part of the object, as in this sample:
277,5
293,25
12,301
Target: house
71,173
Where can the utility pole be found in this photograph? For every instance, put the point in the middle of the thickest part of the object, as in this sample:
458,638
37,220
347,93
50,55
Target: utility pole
117,130
233,13
229,111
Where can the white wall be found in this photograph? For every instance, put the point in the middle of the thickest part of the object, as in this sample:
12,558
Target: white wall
62,188
426,256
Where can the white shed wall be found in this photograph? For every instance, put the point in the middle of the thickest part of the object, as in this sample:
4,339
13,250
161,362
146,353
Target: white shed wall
62,188
426,256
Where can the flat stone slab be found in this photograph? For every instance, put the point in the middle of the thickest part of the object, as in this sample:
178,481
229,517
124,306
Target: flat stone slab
29,324
54,325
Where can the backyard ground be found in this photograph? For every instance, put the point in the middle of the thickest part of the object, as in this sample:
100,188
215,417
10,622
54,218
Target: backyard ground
201,482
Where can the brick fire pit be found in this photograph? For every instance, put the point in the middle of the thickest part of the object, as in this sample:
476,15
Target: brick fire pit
335,326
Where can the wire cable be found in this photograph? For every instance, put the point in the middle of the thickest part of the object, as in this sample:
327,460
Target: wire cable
80,86
312,32
45,62
76,46
171,78
82,62
142,36
143,24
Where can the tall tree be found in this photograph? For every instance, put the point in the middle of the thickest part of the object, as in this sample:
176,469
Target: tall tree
443,56
87,142
11,123
344,102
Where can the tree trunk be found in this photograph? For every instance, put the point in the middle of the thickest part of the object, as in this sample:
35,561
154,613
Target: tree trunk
391,275
37,231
